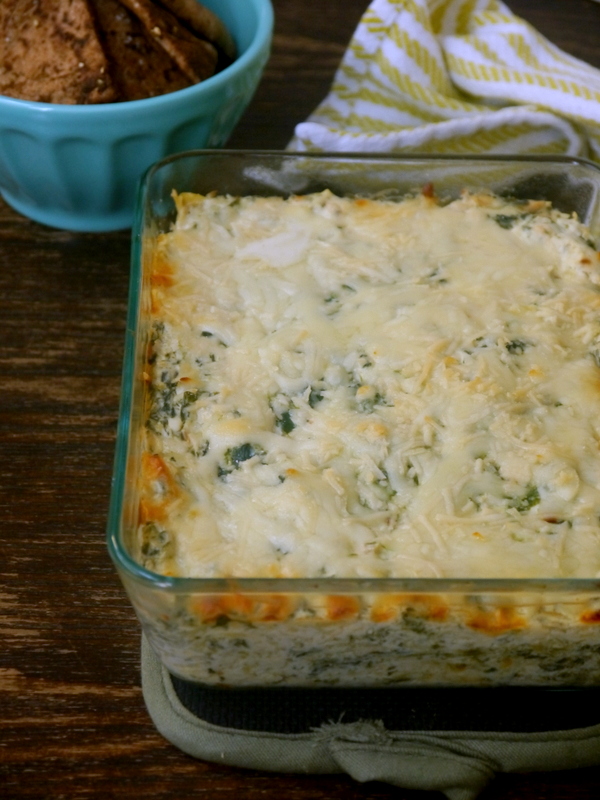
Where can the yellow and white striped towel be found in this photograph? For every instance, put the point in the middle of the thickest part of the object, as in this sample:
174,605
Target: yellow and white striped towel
455,76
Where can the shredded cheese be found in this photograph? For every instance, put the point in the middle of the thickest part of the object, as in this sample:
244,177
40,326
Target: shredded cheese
370,388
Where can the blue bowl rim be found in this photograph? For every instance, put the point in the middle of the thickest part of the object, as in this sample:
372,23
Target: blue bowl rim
262,37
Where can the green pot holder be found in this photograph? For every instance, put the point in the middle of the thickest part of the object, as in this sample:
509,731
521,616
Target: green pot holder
449,740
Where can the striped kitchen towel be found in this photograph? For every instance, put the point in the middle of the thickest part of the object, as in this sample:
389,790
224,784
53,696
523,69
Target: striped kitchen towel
455,76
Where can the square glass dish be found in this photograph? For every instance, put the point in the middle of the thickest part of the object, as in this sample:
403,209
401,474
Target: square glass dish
329,631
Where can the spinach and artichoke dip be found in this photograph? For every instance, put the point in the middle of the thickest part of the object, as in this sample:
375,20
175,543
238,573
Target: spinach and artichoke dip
372,388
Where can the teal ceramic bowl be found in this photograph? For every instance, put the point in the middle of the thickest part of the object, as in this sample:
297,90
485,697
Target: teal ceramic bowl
77,167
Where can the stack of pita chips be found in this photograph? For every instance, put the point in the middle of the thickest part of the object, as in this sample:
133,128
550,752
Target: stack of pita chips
106,51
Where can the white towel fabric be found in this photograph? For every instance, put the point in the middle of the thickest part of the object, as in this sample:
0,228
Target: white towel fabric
455,76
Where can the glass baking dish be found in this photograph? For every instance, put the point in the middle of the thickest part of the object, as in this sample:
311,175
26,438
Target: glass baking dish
340,631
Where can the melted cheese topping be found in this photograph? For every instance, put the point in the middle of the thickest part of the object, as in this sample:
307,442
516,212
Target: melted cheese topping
370,388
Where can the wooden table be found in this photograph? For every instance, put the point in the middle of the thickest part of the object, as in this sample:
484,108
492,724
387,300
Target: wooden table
72,718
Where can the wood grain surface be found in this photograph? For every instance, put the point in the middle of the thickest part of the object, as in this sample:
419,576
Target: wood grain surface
72,719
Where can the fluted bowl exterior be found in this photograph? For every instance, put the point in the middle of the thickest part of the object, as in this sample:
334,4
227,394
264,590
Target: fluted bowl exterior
77,167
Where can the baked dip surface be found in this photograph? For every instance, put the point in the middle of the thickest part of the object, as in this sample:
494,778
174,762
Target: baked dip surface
345,387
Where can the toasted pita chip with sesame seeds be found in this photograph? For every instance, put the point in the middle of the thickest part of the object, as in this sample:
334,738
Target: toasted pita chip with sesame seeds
140,67
203,22
50,52
195,57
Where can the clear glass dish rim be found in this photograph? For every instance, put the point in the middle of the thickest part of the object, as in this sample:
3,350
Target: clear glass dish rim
130,569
